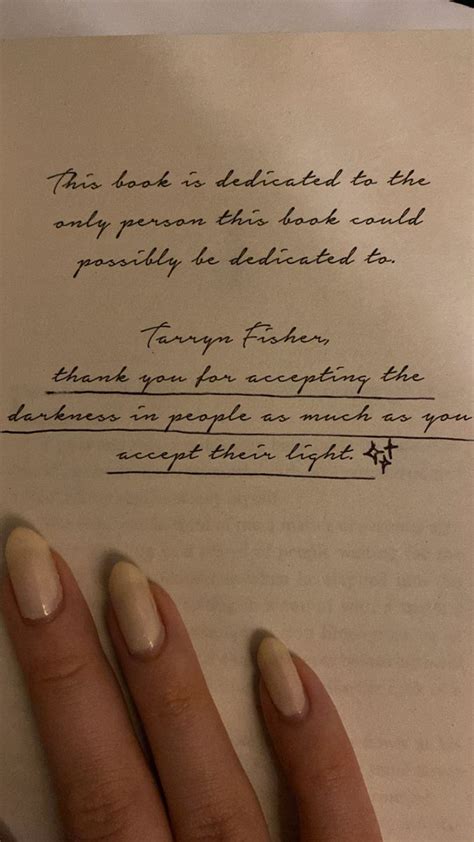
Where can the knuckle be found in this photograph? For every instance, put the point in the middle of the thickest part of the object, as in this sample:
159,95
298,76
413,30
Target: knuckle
58,672
216,822
99,811
177,703
335,774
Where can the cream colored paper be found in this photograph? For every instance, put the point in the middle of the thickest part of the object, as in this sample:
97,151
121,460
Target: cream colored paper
360,562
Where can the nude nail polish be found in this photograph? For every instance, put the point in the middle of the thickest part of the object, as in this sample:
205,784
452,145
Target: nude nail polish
135,609
33,574
281,678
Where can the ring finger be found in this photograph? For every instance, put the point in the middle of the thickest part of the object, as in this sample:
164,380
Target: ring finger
105,788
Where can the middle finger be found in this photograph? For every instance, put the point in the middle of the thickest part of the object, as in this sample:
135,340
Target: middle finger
207,792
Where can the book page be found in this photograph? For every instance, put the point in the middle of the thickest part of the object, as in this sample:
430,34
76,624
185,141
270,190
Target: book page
236,348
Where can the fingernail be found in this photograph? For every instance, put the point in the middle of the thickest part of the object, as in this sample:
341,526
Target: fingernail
135,609
281,678
33,574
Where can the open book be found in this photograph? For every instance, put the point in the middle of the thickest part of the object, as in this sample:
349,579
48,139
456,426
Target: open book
236,333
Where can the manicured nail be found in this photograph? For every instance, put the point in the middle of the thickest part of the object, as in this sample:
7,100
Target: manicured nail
281,678
33,574
135,609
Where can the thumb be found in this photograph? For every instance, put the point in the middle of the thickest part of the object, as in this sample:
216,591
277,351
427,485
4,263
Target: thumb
314,750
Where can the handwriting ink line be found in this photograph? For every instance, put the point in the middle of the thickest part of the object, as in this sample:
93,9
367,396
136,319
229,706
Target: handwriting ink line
236,474
234,434
235,395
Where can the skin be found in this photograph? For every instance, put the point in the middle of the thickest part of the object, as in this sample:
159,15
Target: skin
198,791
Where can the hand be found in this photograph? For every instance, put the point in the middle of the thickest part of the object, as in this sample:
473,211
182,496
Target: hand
106,788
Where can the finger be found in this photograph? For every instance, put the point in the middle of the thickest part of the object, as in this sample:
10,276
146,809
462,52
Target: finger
5,834
207,792
314,750
105,789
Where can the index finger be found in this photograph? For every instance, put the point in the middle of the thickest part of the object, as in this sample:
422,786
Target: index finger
314,750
